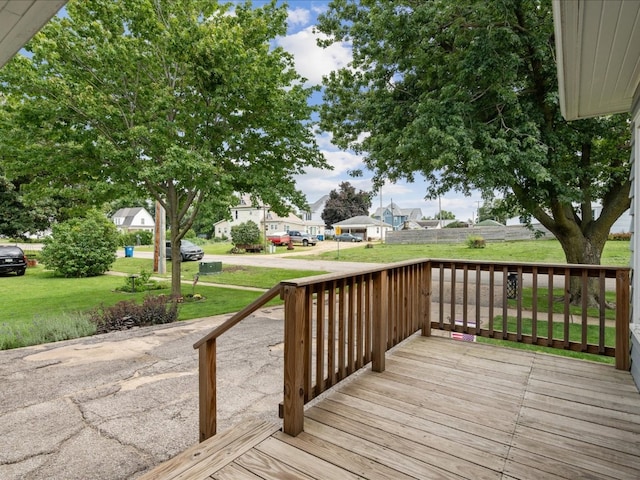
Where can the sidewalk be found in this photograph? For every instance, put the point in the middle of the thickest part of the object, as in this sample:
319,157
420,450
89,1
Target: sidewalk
112,406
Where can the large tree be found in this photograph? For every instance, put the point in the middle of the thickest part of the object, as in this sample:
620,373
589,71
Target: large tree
345,203
181,100
465,93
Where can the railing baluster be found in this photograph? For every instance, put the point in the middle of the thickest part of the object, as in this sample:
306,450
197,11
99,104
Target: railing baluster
441,295
359,323
351,332
465,297
505,303
602,305
425,298
534,305
492,292
342,329
368,317
207,389
320,338
452,317
623,359
585,305
478,299
331,334
308,344
380,320
519,304
567,301
550,308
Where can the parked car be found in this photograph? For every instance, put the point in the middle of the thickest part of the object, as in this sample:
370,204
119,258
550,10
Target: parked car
12,260
188,251
347,237
301,238
279,238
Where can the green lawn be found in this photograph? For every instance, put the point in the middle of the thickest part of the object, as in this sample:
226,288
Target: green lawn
534,251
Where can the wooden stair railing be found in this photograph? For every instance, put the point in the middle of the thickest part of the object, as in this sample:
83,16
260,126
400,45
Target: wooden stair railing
206,347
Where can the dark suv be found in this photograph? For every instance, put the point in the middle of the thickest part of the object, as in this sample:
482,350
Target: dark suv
12,259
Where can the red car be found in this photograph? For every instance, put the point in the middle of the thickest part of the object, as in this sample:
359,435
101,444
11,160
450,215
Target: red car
279,238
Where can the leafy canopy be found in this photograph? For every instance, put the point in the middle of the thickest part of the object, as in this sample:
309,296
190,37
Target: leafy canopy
345,203
177,100
464,92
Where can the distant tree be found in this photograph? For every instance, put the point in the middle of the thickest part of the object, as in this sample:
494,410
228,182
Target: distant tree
18,217
443,215
345,203
492,210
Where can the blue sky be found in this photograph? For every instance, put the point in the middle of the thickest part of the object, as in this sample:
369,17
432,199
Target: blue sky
313,63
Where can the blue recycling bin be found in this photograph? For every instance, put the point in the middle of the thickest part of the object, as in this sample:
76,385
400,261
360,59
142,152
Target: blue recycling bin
128,251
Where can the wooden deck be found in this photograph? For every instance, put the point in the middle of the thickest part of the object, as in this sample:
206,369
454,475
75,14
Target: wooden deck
444,409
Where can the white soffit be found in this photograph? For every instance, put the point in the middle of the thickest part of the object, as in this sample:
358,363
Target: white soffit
598,55
22,19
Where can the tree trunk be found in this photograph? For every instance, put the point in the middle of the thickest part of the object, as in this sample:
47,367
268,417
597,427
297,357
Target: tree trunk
585,250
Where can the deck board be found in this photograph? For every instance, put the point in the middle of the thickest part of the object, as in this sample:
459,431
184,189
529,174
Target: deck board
449,410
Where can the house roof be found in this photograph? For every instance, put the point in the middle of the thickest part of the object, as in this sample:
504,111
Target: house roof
318,204
396,211
22,19
489,223
598,56
361,221
128,214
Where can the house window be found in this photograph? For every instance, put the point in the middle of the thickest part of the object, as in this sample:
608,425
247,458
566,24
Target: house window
236,214
142,221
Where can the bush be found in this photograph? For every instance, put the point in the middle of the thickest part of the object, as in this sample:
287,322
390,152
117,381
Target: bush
625,237
246,233
81,247
141,283
476,242
155,310
136,238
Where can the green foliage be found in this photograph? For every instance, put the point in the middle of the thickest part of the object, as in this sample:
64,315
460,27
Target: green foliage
625,237
18,217
464,93
345,203
45,329
442,215
457,224
82,247
136,238
140,282
476,241
155,310
247,233
175,100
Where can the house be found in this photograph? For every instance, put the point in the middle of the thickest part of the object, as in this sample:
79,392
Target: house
313,216
267,220
396,216
598,62
133,219
365,227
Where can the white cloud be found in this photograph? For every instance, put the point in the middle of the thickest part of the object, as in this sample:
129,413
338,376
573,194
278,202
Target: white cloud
313,62
298,16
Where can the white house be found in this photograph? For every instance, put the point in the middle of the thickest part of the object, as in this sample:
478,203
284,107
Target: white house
266,220
133,219
598,62
365,227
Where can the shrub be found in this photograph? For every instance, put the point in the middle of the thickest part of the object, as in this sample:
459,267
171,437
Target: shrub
81,247
620,236
136,238
141,283
246,233
476,242
155,310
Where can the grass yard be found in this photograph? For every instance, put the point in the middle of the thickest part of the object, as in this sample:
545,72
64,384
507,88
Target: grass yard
534,251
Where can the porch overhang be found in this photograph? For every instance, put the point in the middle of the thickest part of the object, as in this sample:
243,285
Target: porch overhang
22,19
598,56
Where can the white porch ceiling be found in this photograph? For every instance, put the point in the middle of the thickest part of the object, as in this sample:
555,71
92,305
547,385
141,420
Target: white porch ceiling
598,55
20,20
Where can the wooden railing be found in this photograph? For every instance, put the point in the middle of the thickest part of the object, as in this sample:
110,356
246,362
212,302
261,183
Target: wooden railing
206,347
337,323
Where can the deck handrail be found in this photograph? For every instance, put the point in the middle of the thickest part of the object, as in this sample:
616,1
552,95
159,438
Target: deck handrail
334,324
206,347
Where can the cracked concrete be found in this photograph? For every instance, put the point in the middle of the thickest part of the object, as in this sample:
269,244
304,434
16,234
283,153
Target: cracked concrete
113,406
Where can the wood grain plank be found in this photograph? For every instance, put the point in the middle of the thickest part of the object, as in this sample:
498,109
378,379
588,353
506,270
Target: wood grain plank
373,451
343,458
303,461
234,472
243,436
407,447
268,468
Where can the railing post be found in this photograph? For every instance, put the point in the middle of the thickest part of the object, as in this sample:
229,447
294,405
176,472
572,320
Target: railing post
294,343
623,361
207,388
380,320
425,300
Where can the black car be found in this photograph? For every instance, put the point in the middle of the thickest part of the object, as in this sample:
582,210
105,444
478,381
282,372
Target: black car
188,251
12,259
